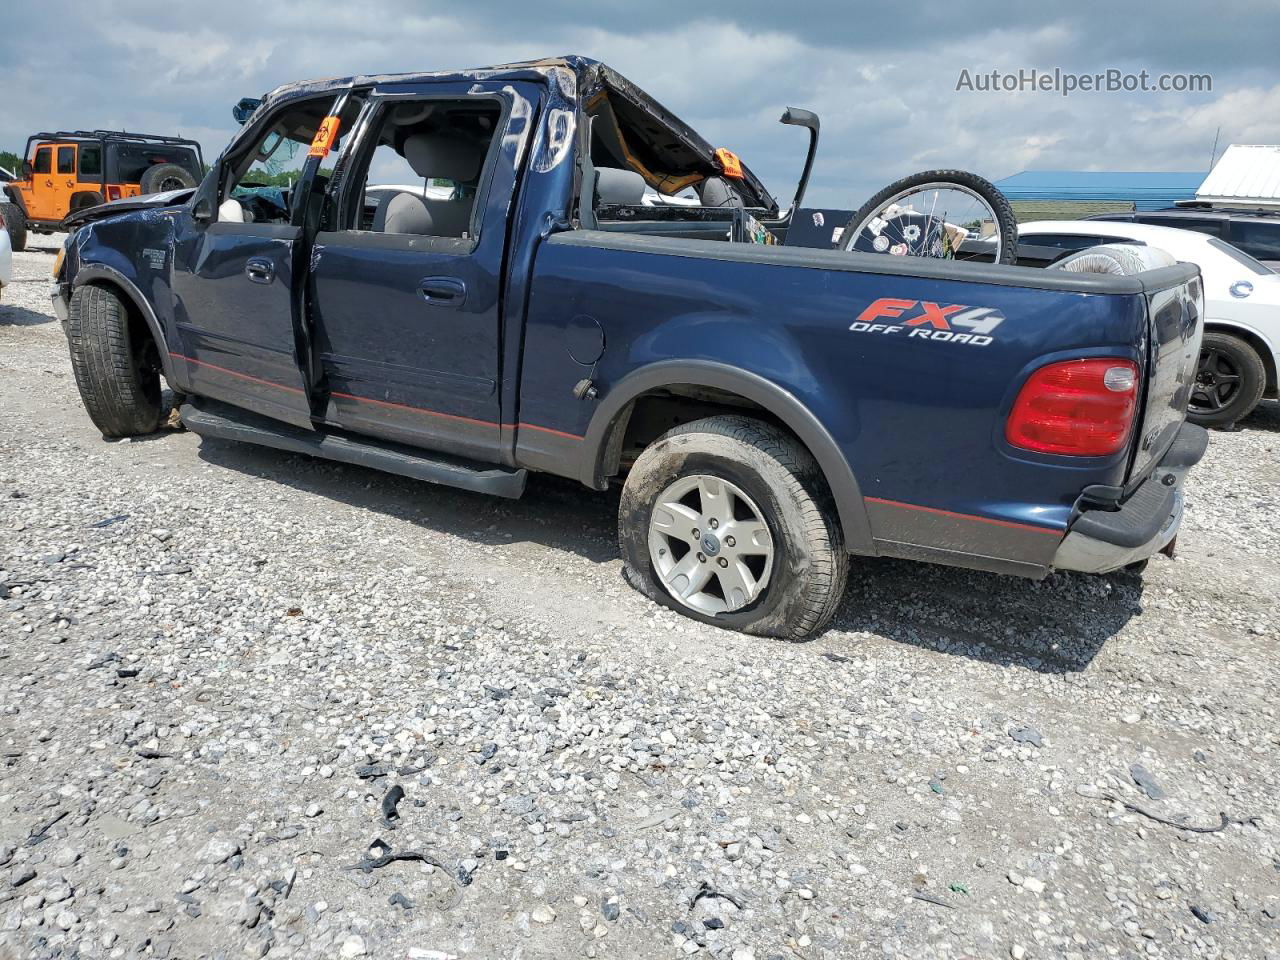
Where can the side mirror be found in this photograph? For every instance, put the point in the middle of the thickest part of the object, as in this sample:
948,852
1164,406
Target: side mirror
204,202
26,169
243,110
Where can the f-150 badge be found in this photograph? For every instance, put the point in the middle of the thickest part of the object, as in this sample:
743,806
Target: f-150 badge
926,320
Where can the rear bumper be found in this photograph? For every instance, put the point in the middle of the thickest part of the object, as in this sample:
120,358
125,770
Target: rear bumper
1099,540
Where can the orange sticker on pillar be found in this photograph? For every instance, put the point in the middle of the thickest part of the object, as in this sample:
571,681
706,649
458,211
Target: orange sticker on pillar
324,139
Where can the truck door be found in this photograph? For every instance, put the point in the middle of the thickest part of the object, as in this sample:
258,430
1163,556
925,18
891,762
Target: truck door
237,276
407,273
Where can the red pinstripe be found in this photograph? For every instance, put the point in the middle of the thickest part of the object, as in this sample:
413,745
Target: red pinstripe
380,403
233,373
964,516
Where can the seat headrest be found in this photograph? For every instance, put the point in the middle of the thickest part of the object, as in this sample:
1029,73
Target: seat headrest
716,192
445,155
617,186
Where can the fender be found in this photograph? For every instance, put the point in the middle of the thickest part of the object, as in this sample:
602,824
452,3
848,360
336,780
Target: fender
96,271
777,400
10,195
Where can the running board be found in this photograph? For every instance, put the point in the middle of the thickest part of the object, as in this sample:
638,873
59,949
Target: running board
230,423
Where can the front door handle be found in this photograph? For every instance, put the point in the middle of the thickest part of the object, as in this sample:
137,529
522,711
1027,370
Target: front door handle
443,291
260,270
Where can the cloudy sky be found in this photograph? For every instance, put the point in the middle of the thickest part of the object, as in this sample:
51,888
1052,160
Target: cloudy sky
881,75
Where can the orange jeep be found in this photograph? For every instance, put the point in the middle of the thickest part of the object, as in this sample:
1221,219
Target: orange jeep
67,171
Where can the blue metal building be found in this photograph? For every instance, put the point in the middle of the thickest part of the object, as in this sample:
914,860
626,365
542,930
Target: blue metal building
1056,194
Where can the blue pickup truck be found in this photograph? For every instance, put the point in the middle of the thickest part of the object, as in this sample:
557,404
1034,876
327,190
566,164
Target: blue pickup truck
466,276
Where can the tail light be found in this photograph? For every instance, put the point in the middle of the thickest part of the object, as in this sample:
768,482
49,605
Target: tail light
113,193
1082,408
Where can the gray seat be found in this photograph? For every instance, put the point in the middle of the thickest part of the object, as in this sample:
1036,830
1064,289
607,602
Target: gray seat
618,186
716,192
444,155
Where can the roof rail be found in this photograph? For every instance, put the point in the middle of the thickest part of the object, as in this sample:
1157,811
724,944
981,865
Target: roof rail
107,135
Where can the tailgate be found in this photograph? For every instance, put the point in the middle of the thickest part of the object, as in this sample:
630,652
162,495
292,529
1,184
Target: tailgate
1176,322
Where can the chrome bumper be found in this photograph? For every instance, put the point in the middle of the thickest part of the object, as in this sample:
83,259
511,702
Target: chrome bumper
1100,541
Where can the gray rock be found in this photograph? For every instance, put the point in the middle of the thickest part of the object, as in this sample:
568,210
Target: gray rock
1146,781
218,850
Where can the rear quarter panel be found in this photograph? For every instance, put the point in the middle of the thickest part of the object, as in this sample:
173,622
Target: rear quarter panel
918,419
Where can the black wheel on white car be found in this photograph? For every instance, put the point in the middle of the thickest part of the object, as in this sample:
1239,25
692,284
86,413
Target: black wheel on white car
116,364
15,221
728,520
1230,380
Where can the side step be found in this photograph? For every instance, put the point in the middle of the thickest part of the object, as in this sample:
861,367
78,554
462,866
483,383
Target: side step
229,423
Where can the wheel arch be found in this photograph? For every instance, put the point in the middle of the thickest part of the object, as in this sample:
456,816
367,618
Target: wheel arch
78,197
97,274
609,424
1265,350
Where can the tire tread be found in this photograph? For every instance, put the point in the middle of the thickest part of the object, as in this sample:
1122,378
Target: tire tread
102,361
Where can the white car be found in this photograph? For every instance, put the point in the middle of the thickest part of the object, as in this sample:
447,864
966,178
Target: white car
1241,351
6,258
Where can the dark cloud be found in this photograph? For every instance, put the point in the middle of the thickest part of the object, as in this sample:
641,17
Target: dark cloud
882,76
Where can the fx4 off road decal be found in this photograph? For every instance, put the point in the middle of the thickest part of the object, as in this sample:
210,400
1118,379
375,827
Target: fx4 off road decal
926,320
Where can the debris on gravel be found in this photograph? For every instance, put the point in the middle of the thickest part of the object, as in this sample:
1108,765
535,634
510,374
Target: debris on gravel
253,704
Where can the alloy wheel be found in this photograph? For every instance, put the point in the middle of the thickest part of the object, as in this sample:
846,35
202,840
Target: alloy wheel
1217,381
710,545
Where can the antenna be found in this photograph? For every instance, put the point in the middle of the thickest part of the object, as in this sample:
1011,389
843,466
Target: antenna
1213,155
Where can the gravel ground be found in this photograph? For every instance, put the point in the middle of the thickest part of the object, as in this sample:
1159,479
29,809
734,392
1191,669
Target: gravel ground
231,679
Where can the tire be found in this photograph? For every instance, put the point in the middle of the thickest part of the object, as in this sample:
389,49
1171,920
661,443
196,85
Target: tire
15,220
1214,402
117,372
775,477
1006,222
165,176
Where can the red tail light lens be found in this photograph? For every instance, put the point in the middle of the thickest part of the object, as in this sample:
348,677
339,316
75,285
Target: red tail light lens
1081,408
113,193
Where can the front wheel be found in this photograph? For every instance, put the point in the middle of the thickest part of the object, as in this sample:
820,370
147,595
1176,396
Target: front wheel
15,221
728,520
1230,379
115,362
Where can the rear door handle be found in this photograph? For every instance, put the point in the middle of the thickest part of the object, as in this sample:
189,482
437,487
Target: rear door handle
260,269
443,291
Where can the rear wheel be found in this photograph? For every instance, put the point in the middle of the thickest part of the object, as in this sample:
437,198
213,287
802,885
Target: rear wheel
729,521
1229,382
86,199
116,364
15,222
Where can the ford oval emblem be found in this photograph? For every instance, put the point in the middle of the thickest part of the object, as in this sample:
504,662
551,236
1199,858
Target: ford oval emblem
1241,289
